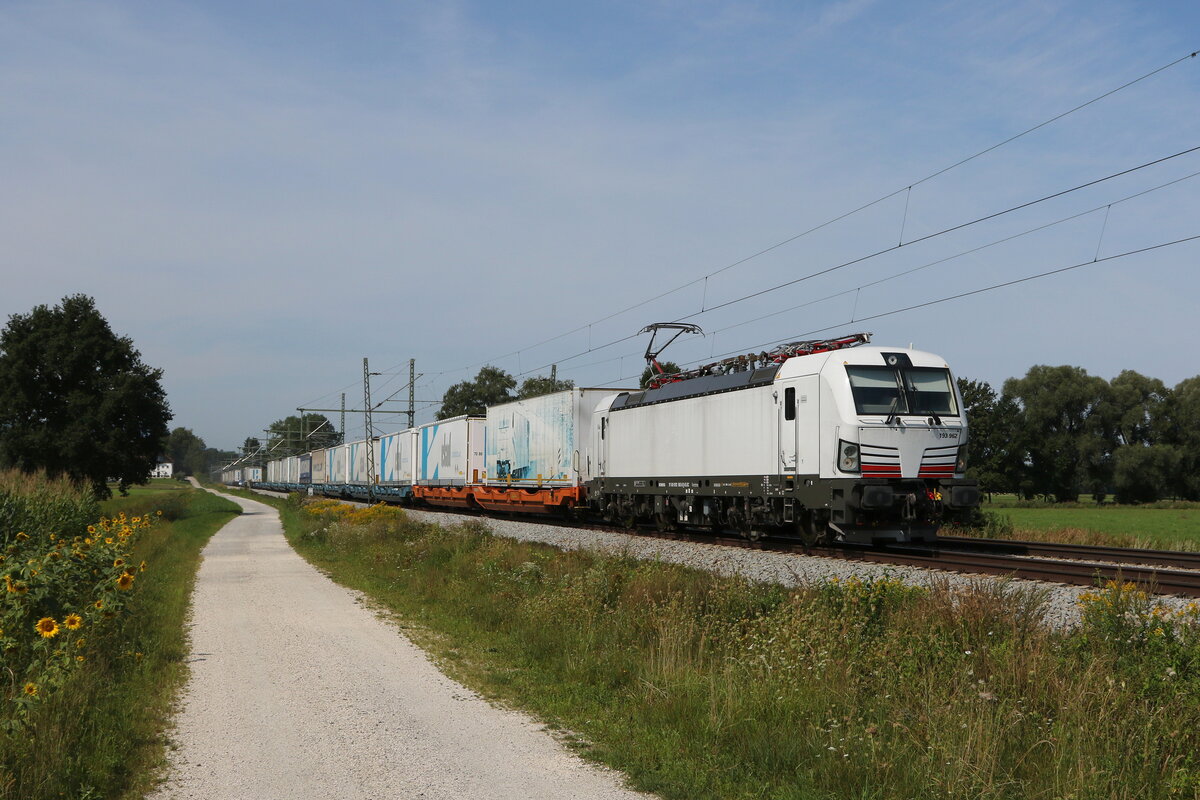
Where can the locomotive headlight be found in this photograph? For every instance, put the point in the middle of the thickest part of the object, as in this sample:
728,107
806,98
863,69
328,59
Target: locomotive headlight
961,464
848,460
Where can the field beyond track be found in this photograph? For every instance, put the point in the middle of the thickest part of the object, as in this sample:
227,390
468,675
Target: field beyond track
1168,525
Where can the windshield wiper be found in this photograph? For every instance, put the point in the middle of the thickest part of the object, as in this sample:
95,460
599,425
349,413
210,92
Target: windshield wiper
892,415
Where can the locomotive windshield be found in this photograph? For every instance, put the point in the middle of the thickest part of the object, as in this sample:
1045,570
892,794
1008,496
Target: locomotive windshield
902,390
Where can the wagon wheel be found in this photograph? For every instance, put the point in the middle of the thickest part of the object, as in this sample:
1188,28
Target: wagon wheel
627,517
664,521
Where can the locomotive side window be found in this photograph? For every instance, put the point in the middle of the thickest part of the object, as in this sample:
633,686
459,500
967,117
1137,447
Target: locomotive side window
789,403
876,390
903,390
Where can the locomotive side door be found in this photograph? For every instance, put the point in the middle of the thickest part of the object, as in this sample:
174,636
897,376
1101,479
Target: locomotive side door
600,442
786,394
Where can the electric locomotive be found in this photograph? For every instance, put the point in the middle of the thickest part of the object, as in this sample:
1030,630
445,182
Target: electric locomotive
828,440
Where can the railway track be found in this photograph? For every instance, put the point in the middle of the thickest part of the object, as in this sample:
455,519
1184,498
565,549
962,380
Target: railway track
1165,572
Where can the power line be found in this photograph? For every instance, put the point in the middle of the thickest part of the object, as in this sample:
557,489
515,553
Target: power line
945,231
896,247
960,295
844,215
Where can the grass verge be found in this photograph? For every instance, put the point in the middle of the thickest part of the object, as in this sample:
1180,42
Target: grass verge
101,734
699,686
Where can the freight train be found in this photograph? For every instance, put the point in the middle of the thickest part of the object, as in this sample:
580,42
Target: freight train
825,440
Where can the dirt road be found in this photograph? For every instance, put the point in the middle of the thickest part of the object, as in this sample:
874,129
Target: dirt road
298,691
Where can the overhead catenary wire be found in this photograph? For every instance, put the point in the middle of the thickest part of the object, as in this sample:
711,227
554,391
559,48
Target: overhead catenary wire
959,296
907,188
838,218
894,248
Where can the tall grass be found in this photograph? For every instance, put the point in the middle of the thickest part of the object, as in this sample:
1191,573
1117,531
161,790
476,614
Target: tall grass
700,686
98,731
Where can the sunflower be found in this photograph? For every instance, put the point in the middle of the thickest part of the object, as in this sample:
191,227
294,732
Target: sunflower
120,562
99,604
73,622
31,689
47,627
91,528
19,587
108,540
142,567
22,536
125,581
158,513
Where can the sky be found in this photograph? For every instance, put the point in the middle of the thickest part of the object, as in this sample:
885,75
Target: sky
260,194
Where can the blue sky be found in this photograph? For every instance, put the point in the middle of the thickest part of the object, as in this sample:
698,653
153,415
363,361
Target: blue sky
262,194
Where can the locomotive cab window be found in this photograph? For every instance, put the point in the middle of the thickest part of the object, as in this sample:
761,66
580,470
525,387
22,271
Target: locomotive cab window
902,391
929,391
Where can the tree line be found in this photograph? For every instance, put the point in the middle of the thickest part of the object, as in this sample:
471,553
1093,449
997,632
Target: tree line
1059,432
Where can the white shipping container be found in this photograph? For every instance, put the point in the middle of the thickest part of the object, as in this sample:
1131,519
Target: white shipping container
335,465
394,454
291,469
320,462
357,459
450,452
542,441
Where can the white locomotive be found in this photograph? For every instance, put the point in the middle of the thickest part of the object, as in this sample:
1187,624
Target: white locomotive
848,442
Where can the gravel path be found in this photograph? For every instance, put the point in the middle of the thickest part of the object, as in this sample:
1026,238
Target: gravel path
298,690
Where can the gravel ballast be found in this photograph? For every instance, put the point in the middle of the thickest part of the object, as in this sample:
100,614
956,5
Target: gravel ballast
297,689
1061,603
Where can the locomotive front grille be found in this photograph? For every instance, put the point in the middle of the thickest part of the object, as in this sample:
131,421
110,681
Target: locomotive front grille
880,462
939,462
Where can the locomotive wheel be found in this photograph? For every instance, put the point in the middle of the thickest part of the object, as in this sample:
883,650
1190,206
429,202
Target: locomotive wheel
812,530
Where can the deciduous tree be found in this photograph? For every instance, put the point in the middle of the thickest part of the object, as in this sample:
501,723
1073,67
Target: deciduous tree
76,399
996,447
491,386
1060,413
187,452
540,385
